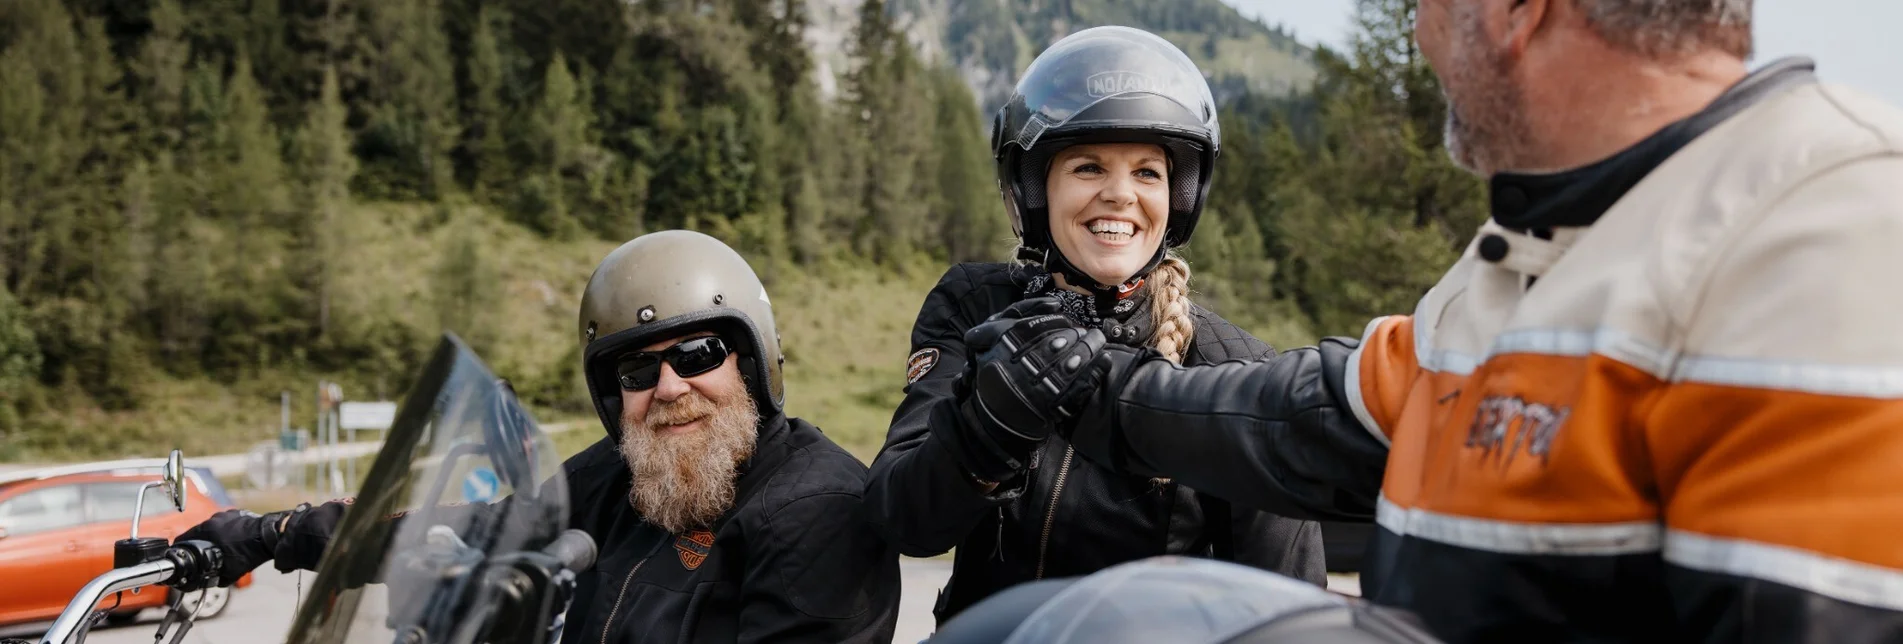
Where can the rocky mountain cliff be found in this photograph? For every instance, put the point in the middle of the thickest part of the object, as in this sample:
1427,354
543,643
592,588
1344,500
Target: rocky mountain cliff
990,41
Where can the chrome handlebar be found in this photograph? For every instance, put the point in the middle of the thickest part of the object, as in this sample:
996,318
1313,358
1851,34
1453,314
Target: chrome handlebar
79,611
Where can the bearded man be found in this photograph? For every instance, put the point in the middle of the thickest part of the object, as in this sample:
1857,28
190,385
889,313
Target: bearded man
717,517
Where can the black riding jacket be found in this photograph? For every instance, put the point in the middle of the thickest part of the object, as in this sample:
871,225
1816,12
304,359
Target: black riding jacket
793,561
1066,516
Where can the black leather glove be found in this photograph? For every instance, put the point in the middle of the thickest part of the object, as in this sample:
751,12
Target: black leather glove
988,454
1091,400
246,538
1025,370
307,533
981,341
295,538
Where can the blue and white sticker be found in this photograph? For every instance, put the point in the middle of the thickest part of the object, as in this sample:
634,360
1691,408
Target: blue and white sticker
481,485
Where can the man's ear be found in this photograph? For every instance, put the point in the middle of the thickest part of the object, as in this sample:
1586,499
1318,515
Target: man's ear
1525,18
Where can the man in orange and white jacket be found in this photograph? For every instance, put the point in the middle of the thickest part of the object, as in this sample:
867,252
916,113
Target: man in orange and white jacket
1659,397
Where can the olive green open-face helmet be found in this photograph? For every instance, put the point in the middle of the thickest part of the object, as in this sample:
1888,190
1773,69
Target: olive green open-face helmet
668,284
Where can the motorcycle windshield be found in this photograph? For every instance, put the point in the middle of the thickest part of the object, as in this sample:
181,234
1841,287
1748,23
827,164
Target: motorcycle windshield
465,479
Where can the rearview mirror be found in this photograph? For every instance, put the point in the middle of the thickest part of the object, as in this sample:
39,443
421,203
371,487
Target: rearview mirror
175,479
172,480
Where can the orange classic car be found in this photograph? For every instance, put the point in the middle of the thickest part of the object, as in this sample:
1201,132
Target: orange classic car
57,529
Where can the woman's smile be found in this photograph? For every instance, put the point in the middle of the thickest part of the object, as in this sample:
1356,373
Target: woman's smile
1115,233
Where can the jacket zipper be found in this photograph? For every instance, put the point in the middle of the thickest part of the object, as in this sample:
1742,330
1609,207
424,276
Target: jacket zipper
1050,516
622,595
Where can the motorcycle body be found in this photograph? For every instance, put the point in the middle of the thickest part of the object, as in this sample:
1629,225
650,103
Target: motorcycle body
456,538
1178,599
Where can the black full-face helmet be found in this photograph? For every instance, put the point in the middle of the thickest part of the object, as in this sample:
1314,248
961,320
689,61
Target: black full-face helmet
1105,85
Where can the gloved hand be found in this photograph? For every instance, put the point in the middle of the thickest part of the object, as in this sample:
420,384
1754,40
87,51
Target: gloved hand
295,538
1027,362
981,341
247,539
1090,402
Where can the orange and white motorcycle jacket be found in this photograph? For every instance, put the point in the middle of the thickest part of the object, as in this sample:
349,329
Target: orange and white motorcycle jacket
1659,398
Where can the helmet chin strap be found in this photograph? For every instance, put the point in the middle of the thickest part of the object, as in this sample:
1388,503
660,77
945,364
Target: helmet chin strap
1104,297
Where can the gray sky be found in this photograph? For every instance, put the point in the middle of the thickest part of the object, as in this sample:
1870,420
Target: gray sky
1854,42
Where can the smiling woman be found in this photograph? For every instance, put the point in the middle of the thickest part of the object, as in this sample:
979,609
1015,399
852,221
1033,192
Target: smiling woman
1104,155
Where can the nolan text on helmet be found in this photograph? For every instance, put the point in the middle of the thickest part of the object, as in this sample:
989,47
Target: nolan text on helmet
1112,83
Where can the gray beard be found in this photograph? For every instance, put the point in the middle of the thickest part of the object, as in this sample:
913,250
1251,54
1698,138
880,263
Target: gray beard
1486,130
686,481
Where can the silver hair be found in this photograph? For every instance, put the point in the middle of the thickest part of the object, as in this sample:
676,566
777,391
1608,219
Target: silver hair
1673,27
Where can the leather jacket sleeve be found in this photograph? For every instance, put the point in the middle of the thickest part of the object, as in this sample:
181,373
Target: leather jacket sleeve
1285,545
920,496
1274,434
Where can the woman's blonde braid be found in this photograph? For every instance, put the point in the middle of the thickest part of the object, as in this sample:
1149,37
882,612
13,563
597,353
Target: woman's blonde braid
1169,308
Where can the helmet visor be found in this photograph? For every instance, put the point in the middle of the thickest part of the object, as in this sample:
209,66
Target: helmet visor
1082,79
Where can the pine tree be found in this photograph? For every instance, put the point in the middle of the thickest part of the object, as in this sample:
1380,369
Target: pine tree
160,72
42,145
883,102
108,281
256,186
1386,82
564,118
968,206
1364,218
557,139
253,204
327,167
184,278
483,140
412,96
322,35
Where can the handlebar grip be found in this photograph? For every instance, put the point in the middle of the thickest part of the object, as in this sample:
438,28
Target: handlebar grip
198,564
575,549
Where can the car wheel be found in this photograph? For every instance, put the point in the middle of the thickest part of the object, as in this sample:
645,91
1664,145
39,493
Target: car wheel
213,600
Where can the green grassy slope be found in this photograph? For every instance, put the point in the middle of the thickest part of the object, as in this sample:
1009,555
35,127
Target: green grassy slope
845,329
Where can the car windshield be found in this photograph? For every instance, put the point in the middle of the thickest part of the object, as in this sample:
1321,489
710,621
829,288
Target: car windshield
464,479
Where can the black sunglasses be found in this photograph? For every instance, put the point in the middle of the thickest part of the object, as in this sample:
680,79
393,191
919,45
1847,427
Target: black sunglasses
641,371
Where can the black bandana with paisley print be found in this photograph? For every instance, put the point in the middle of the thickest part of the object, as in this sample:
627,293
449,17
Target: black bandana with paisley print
1129,307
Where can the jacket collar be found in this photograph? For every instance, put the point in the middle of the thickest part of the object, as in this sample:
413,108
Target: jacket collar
1124,318
769,449
1579,196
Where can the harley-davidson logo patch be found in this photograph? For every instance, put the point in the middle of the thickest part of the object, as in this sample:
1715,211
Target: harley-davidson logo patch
920,363
694,547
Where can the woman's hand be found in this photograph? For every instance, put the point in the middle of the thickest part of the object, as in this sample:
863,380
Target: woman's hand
1029,361
982,341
